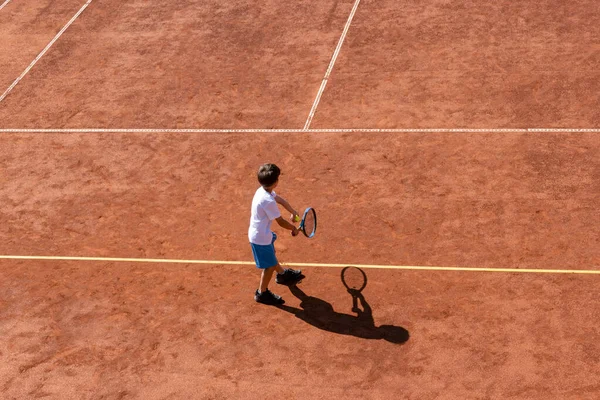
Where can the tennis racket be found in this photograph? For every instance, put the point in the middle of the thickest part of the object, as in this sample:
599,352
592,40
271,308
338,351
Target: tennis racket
355,281
308,224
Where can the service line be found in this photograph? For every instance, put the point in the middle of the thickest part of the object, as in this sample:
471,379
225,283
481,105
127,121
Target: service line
285,130
305,264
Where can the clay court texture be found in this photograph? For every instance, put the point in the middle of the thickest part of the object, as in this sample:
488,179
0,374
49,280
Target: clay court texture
450,148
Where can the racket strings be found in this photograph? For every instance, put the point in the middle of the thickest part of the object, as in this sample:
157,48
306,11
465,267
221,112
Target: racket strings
309,222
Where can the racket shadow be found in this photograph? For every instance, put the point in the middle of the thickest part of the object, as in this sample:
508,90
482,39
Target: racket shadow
320,314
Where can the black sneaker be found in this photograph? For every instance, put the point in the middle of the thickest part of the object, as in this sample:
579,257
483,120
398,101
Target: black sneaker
289,277
268,297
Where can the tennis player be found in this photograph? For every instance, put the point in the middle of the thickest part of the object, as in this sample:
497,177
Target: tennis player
264,211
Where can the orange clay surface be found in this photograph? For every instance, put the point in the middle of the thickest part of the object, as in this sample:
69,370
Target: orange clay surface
211,64
101,330
469,63
118,330
244,65
26,27
481,200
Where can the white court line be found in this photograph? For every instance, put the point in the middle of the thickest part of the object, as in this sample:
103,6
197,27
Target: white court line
330,67
4,4
307,264
325,130
7,91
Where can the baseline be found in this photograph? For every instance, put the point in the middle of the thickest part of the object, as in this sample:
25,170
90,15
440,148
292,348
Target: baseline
366,266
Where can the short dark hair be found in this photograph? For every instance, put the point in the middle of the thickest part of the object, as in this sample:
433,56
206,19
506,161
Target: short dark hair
268,174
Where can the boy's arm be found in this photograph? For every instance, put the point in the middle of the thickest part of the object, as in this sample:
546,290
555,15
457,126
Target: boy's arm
286,205
286,225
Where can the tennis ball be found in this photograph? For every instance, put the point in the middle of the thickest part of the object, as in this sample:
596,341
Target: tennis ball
296,218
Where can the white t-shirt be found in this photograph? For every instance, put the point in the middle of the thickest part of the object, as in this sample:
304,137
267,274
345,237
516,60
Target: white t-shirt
264,211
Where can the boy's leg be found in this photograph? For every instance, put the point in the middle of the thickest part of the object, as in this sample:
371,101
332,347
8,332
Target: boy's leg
279,269
287,276
263,256
263,294
265,277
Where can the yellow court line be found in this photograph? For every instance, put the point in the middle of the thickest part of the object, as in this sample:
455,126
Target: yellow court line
218,262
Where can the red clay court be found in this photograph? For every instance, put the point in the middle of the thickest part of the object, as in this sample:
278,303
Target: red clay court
450,148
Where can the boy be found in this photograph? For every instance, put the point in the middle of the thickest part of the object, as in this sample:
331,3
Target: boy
264,211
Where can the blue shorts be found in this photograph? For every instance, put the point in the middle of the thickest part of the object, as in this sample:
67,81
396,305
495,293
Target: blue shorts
264,255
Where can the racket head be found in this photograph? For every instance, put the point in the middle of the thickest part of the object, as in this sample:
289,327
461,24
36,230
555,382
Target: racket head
354,278
308,226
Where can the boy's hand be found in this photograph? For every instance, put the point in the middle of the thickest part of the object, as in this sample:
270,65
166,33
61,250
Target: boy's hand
295,231
295,217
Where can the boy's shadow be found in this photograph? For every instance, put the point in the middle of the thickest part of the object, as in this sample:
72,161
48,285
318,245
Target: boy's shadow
320,314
